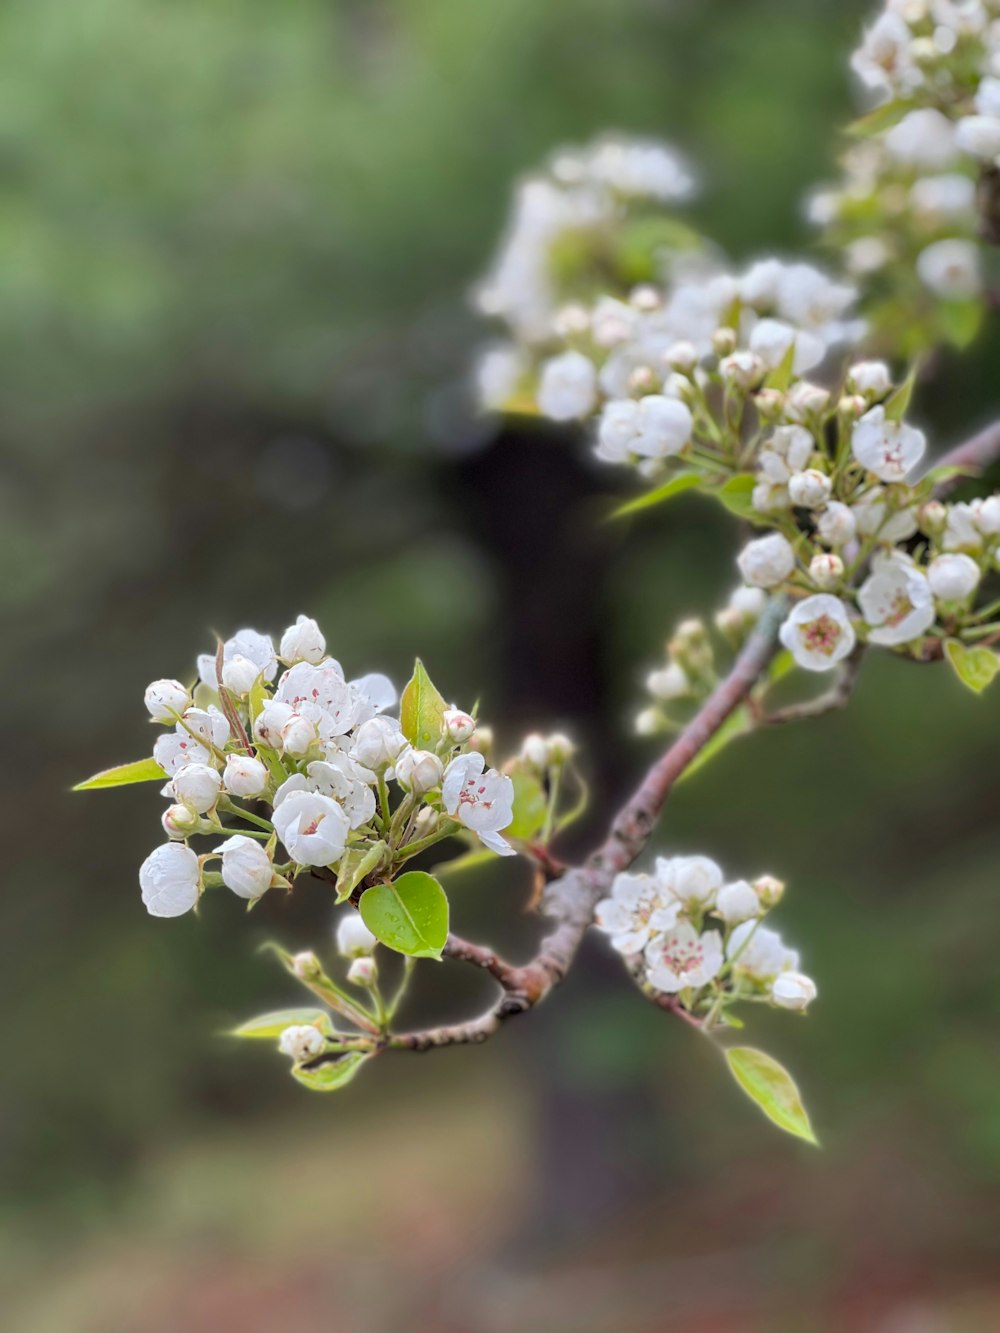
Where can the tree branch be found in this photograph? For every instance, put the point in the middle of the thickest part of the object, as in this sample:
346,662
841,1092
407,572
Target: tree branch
570,899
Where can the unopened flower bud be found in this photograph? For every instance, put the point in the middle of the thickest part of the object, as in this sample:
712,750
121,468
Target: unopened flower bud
767,561
377,742
244,776
642,380
769,890
724,342
419,771
649,722
246,867
571,320
805,399
354,939
303,642
681,357
561,748
298,735
306,966
953,576
535,750
363,972
986,515
836,526
482,741
165,698
458,726
852,405
826,570
269,722
744,369
809,489
871,379
645,297
769,402
197,786
239,674
669,682
180,821
425,823
737,902
302,1042
793,990
729,622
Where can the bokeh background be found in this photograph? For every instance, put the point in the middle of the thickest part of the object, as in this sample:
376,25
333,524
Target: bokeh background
235,246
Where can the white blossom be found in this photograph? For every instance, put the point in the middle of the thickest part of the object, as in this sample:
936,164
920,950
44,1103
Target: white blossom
771,339
239,675
342,779
759,953
313,827
244,776
887,448
884,61
301,1042
737,902
194,740
874,518
268,723
693,880
568,387
682,957
303,642
896,600
953,576
354,939
321,694
170,879
979,136
986,515
950,268
419,771
766,561
871,379
793,990
826,570
651,427
299,735
924,138
197,786
635,909
482,799
818,632
166,700
246,867
941,198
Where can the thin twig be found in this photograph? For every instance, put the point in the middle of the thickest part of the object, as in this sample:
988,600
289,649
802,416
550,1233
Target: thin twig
837,697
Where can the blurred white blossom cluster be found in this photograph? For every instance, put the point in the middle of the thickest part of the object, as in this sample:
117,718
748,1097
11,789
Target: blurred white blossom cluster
607,208
907,214
278,742
685,932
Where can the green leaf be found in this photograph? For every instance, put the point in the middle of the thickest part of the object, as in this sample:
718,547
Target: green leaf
355,865
421,710
684,481
257,697
975,667
781,376
772,1088
960,321
331,1075
738,723
269,1026
530,804
141,770
899,400
736,493
409,915
881,119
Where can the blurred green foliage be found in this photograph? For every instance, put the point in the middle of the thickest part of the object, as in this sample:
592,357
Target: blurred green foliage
235,241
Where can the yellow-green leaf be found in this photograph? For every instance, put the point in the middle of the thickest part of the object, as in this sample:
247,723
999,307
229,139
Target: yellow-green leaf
736,494
332,1074
409,915
357,863
421,710
141,770
975,667
684,481
269,1026
771,1086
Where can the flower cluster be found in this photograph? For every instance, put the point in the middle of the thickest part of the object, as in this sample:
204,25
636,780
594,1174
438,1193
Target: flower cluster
605,208
685,932
331,776
906,213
